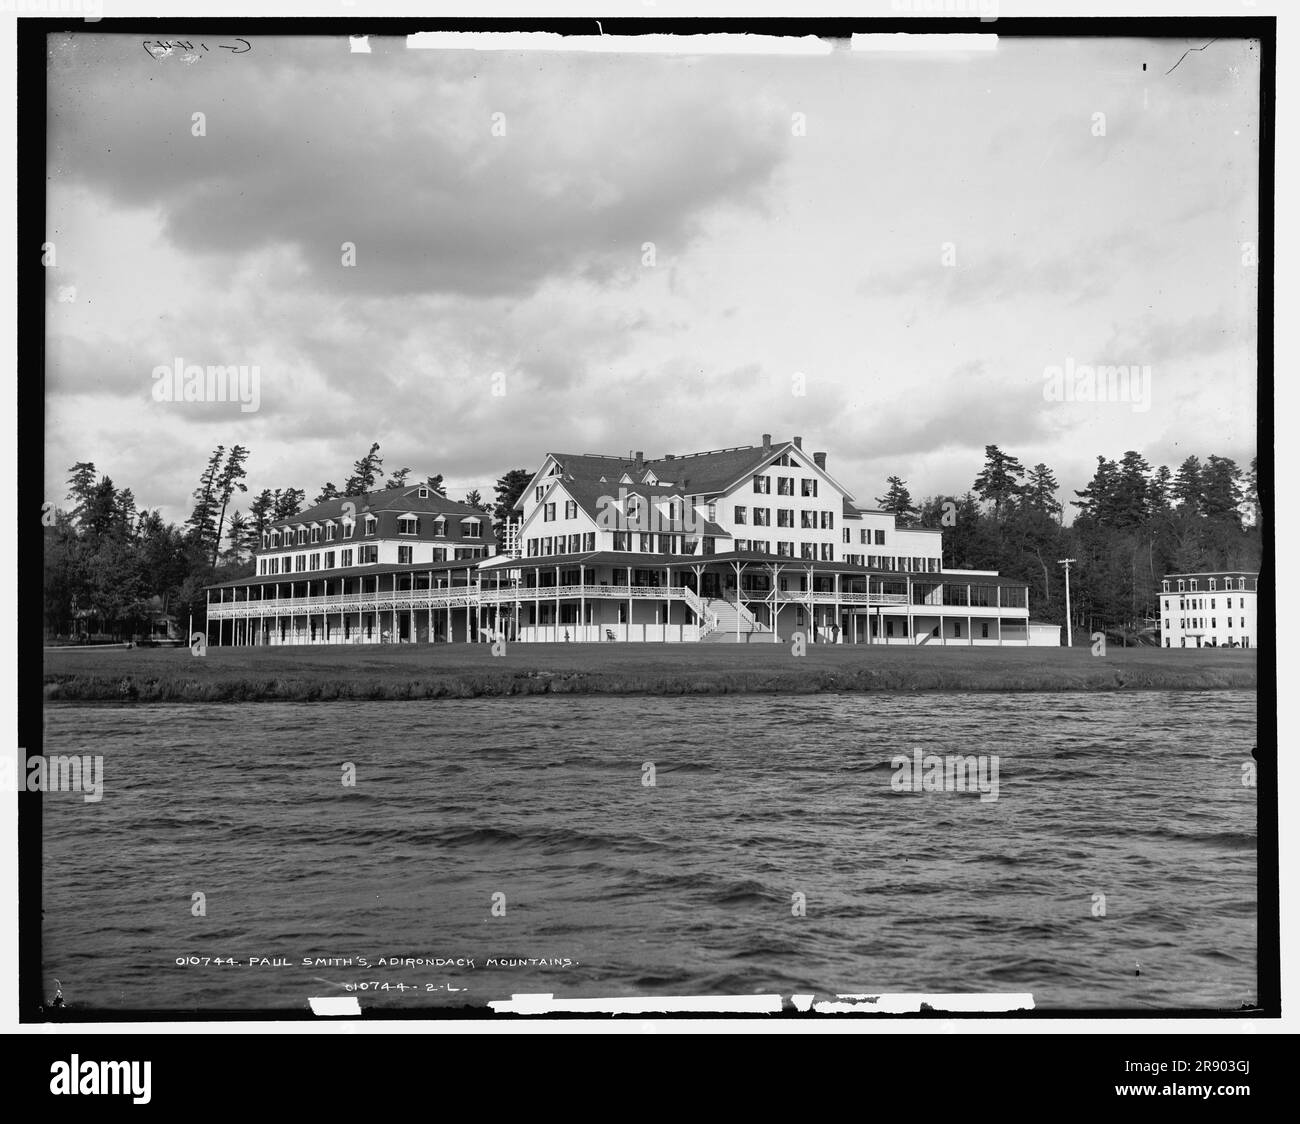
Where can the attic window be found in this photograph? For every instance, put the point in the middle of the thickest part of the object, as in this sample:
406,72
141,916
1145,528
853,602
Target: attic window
423,493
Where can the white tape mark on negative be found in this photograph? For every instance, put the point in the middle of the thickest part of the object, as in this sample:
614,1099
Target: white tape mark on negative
334,1005
639,1005
911,1004
360,44
714,44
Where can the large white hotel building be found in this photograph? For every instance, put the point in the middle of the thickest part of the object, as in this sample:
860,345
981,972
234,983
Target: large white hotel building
745,544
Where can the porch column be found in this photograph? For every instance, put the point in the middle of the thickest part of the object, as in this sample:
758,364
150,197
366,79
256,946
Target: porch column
737,566
557,603
629,604
537,602
837,633
999,589
582,598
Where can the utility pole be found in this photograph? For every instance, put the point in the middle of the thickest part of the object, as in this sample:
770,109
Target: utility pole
1069,626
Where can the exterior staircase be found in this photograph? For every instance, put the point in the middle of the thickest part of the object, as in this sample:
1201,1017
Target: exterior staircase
724,616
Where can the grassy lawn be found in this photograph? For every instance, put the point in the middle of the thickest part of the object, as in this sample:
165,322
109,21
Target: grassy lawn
470,670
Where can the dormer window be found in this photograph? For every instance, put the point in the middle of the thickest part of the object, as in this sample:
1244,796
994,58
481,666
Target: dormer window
423,493
1192,585
371,524
315,532
1213,585
538,492
440,526
473,528
1181,585
1164,586
302,535
329,531
1241,583
408,525
349,526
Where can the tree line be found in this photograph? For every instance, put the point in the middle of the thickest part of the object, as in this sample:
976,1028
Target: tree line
111,568
109,562
1133,524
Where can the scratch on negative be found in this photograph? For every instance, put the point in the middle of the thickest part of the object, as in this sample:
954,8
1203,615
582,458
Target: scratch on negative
1186,53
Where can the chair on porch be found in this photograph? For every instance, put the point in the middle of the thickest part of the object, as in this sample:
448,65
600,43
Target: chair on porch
609,634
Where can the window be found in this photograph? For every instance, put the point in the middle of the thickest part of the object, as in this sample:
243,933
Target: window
261,567
537,493
315,534
808,487
828,552
848,535
760,546
740,515
1192,585
1241,583
368,554
300,563
313,563
713,513
371,524
275,538
329,560
622,540
762,517
1212,601
984,631
589,540
808,550
808,519
404,554
785,485
742,544
1213,585
473,529
785,517
828,520
302,536
956,628
880,538
329,532
644,543
762,485
1166,624
348,528
1181,585
345,557
570,509
1229,622
422,492
408,525
548,513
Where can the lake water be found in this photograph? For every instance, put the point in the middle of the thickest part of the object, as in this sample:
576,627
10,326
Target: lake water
686,887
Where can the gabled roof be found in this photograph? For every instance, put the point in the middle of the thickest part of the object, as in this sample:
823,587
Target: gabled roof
405,500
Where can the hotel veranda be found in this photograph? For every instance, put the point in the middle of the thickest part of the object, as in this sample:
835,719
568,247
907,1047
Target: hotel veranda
743,545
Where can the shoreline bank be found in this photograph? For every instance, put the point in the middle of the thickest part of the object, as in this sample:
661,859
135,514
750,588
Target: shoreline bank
403,673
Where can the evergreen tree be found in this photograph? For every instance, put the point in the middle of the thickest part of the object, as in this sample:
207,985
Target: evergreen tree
1187,484
1160,491
1132,491
81,485
398,478
202,522
287,503
230,479
435,484
474,499
1000,480
898,501
328,492
509,488
364,473
1040,491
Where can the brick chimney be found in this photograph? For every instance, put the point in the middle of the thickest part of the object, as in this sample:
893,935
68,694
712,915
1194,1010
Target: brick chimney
767,442
819,459
640,459
798,442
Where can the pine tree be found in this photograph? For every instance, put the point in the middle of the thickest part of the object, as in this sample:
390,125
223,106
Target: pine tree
328,492
474,499
999,482
287,503
364,472
1040,491
1187,485
398,478
897,500
1132,491
81,485
202,522
230,479
435,484
509,488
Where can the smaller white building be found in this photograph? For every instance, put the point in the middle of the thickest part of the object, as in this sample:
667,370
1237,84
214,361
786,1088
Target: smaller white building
1210,610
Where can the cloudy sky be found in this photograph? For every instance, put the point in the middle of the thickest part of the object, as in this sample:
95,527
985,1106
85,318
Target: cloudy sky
929,234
